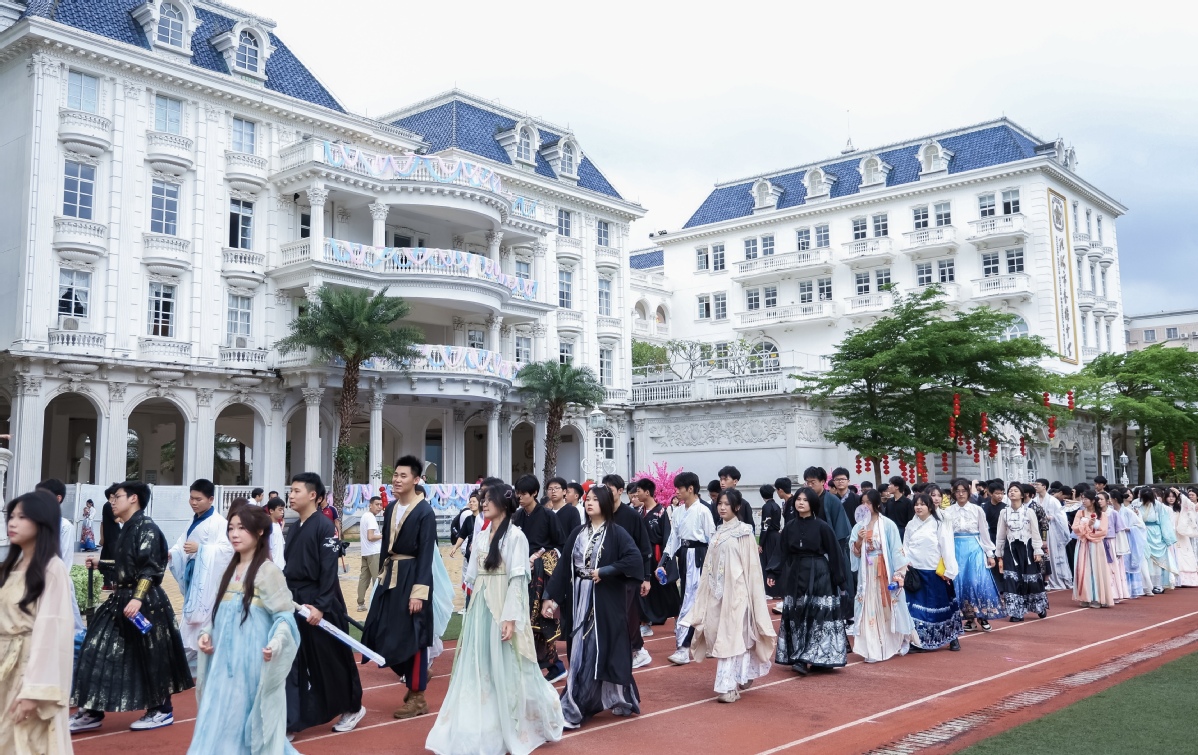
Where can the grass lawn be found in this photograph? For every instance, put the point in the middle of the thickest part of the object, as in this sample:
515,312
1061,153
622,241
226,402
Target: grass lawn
1149,713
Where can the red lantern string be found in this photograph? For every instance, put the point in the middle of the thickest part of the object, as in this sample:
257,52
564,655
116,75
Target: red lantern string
1069,396
1173,460
1052,427
867,465
968,446
977,457
1046,398
944,462
1185,452
1022,446
858,463
956,405
885,464
985,424
993,447
952,426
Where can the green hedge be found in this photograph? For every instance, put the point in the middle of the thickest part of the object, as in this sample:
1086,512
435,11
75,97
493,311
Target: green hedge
79,577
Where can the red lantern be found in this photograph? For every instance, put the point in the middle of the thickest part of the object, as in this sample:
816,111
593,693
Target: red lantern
993,447
956,405
1185,452
985,424
902,466
1052,427
1046,398
1173,460
952,426
867,465
968,446
1069,396
977,457
1022,446
944,462
858,463
885,464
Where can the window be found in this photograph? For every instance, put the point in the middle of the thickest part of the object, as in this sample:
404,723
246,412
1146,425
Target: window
720,302
168,115
524,146
1014,261
603,233
1109,346
948,271
805,292
1170,334
164,208
920,216
704,307
240,310
606,366
1088,212
804,239
767,246
247,53
605,297
162,310
862,280
860,229
989,264
881,225
82,92
1075,223
1149,335
305,225
986,206
750,249
1127,336
565,289
568,159
170,25
717,257
923,273
243,135
825,289
74,289
476,338
523,349
763,357
944,213
524,269
1093,276
1017,329
563,222
1102,279
1085,320
752,299
722,351
1098,221
882,277
241,224
1010,201
565,352
822,239
78,190
605,445
770,294
1080,276
702,260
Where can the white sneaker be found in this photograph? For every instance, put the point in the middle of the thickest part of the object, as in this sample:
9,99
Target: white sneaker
646,630
154,719
681,657
565,673
85,720
348,721
641,658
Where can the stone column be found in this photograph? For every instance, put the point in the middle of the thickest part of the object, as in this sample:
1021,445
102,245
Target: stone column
459,332
5,461
116,437
539,347
492,414
312,451
505,448
26,427
205,435
378,214
274,455
540,422
317,195
641,455
494,238
494,323
375,468
457,442
792,444
539,250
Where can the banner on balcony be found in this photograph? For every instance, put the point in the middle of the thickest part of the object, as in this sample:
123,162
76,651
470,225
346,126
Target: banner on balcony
413,167
405,259
1062,278
443,498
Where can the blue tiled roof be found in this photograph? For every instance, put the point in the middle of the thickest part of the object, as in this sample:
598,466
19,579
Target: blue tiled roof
473,129
112,19
647,260
983,148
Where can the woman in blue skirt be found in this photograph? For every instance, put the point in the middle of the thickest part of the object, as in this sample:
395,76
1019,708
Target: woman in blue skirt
929,544
976,591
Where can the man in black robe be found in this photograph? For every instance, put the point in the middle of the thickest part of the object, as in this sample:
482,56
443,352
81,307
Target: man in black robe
632,522
833,514
569,517
663,601
713,500
400,623
543,530
323,682
730,478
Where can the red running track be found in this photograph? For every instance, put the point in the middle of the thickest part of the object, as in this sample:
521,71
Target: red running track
852,710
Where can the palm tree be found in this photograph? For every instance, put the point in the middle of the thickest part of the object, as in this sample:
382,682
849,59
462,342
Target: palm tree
556,386
352,326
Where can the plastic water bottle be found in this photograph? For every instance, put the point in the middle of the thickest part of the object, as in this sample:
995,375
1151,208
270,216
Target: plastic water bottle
892,586
661,575
141,622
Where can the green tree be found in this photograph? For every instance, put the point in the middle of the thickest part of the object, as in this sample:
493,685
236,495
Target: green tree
555,387
352,326
224,448
1155,389
645,354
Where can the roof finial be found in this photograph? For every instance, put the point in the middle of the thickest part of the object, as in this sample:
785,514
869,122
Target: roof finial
848,127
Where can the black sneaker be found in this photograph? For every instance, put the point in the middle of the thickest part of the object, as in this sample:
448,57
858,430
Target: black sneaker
955,645
985,625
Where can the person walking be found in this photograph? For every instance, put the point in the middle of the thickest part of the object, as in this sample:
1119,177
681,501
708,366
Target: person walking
370,540
934,610
1020,551
882,626
974,585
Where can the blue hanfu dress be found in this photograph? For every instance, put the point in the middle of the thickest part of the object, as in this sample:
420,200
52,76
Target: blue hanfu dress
498,702
882,625
243,698
1162,560
975,587
1135,562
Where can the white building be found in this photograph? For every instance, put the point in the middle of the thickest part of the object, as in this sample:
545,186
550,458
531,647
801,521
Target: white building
1177,327
178,185
771,270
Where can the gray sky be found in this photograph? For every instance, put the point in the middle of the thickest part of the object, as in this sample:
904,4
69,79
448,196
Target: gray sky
668,98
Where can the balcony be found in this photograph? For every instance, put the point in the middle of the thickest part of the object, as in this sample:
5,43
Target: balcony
641,327
1081,243
864,252
531,209
655,280
869,304
1003,287
86,133
950,292
243,358
824,311
165,255
1089,353
80,240
77,342
245,172
169,153
243,268
1085,300
1108,257
1101,304
663,393
159,349
569,247
930,242
611,326
607,258
569,319
453,371
998,230
616,395
812,261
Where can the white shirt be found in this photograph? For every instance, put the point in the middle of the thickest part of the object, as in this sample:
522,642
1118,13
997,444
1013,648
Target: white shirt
971,520
370,523
927,542
213,555
1018,524
277,544
695,525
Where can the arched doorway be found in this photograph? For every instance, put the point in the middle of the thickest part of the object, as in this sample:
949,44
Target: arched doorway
68,442
434,452
523,451
233,447
569,454
161,431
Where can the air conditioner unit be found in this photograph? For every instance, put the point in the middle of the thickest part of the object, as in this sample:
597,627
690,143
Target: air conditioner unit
1194,334
68,323
238,342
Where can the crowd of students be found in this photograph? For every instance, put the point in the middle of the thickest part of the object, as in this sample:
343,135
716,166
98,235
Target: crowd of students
261,635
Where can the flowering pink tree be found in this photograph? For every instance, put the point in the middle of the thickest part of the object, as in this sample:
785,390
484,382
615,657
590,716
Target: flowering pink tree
663,478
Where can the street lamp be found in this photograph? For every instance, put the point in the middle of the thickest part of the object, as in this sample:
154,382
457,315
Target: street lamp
1123,463
596,420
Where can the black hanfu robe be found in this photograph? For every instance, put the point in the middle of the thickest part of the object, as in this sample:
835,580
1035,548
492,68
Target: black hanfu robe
323,683
543,530
663,601
569,519
405,573
771,532
634,524
808,565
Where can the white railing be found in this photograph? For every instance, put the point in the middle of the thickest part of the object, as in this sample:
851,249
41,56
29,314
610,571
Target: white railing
244,160
643,279
297,358
607,254
1108,256
616,395
746,385
944,235
159,140
867,247
569,241
997,225
383,167
294,252
226,494
460,360
640,326
1085,300
1089,352
74,340
244,257
244,358
569,318
163,347
655,393
78,227
788,261
532,209
76,118
1001,285
871,302
609,323
1081,240
789,313
663,329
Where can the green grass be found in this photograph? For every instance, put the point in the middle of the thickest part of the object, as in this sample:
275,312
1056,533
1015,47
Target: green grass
1149,713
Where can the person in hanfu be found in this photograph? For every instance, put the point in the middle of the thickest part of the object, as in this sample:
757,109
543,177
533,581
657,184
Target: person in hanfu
1091,574
1116,532
1132,541
928,542
630,519
771,534
542,529
691,533
882,626
197,561
663,601
1020,550
1061,575
976,591
1158,524
587,595
246,649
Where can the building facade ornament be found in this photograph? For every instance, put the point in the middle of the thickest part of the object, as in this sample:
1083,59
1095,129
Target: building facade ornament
317,196
276,401
116,392
377,400
313,396
378,211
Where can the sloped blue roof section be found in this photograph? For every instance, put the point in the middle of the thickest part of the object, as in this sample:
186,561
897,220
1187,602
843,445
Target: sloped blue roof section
983,148
647,260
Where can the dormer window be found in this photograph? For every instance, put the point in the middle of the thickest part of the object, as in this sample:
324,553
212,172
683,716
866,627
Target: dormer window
170,25
933,158
524,147
873,171
568,159
765,195
247,52
819,183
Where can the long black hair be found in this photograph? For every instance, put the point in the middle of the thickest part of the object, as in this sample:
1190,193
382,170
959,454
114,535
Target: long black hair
926,500
503,497
874,499
42,509
255,520
814,500
1092,497
735,500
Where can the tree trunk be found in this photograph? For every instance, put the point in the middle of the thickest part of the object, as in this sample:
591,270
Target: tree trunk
241,476
553,431
1098,445
347,408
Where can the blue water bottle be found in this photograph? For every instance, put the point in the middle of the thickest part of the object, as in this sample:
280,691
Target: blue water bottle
141,622
661,574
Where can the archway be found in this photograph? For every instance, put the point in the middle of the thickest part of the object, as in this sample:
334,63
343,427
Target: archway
294,452
523,451
233,448
434,452
162,434
68,446
569,454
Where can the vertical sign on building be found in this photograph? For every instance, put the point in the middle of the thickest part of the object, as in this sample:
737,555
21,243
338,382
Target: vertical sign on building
1062,278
